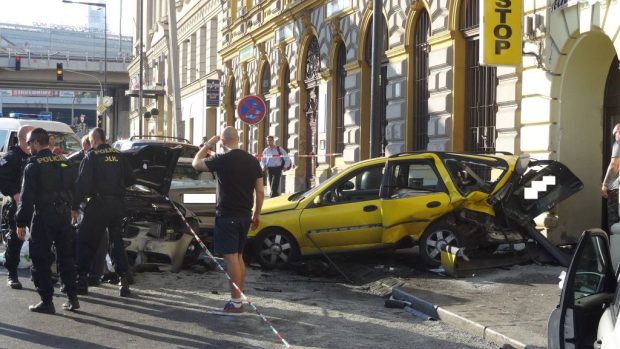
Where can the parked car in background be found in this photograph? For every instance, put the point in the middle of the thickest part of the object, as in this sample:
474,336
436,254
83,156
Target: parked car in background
432,199
589,312
66,139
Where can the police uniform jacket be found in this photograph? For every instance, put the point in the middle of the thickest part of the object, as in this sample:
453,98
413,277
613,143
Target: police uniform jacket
104,172
48,181
11,169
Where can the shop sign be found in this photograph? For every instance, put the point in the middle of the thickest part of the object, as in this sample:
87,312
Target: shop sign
501,30
213,93
246,53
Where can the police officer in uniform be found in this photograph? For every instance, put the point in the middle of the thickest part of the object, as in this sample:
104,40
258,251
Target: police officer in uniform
46,206
104,174
11,171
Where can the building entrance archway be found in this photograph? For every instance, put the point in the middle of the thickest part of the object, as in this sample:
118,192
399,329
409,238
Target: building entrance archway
580,133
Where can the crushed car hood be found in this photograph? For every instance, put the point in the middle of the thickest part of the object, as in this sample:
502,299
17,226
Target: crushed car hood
277,204
153,166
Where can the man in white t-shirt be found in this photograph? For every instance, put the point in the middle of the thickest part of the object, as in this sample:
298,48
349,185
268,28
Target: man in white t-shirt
609,188
274,160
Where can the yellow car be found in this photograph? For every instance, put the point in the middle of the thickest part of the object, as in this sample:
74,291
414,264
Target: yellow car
434,199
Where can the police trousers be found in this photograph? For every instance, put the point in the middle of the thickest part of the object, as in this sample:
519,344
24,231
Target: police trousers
102,213
14,244
52,226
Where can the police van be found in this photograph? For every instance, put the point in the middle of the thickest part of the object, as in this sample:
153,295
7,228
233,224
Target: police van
66,139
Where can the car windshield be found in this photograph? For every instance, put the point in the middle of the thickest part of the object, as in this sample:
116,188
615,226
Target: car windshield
306,193
475,174
68,142
185,172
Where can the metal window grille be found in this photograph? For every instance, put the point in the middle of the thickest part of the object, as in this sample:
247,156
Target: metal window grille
286,91
480,88
420,59
340,94
265,87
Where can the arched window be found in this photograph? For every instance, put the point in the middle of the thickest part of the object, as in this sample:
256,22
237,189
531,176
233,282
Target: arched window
265,86
380,122
232,110
480,86
339,81
286,91
420,80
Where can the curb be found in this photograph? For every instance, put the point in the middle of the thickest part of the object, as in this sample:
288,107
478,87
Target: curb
458,321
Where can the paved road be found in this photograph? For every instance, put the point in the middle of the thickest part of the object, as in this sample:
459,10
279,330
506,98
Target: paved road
171,311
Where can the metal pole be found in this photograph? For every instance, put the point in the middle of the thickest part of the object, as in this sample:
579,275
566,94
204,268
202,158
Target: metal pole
377,47
141,66
105,61
120,28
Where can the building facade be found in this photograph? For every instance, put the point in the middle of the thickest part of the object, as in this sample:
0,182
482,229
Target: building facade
310,61
197,36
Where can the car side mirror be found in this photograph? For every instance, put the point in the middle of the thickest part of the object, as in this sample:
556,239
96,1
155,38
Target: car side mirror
348,186
317,200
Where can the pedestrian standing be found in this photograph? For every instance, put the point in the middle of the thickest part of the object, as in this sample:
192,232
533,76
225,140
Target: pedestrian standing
103,176
609,188
96,272
55,150
239,180
45,206
11,173
274,161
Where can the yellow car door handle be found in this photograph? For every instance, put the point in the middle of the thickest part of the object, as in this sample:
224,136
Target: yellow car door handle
433,204
370,208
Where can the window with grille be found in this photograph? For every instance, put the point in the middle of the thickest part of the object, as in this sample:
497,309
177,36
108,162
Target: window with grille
265,87
480,87
286,91
340,93
420,90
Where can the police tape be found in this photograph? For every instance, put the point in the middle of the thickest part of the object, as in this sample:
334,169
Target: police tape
260,156
243,295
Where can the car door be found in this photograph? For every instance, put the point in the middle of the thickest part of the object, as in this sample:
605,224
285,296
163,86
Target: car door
589,286
347,214
413,196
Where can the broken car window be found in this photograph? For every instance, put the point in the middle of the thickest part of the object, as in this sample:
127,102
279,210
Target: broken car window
471,174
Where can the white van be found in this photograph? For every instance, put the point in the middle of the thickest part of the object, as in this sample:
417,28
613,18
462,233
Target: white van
66,139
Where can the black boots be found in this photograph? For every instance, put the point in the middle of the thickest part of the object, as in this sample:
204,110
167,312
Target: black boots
13,282
71,304
81,285
124,286
43,307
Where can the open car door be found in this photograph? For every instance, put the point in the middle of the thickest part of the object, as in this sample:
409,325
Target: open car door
588,285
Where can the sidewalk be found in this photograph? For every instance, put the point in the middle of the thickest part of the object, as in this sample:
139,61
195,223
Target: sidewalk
509,307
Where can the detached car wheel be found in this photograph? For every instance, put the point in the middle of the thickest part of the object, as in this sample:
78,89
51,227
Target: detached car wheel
275,248
436,235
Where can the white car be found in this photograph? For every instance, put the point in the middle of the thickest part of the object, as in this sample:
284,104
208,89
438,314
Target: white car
589,312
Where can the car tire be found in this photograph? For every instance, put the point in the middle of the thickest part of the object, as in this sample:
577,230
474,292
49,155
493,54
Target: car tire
275,248
429,242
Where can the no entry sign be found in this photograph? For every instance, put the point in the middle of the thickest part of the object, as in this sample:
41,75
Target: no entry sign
251,109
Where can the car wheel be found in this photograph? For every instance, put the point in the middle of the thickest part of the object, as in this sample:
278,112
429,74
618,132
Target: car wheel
434,236
275,248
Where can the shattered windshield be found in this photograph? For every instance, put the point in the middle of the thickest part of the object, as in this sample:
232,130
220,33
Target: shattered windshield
475,174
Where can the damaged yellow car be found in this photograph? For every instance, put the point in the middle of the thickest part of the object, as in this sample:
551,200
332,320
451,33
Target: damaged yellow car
433,199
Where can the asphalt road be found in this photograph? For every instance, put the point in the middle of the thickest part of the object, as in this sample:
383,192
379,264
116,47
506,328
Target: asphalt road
172,311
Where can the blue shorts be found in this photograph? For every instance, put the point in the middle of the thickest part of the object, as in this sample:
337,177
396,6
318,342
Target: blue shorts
230,234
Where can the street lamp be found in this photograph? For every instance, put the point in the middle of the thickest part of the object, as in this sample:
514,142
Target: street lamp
105,40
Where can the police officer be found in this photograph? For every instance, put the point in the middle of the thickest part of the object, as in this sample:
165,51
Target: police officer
46,206
11,171
104,174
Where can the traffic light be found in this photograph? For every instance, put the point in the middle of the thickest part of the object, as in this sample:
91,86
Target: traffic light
18,62
59,71
99,120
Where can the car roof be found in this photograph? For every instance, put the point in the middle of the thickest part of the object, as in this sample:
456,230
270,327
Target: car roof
53,126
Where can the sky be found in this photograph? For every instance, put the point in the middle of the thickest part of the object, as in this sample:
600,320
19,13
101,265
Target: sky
56,12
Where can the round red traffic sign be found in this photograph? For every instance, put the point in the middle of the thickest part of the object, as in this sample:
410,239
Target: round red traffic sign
251,109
